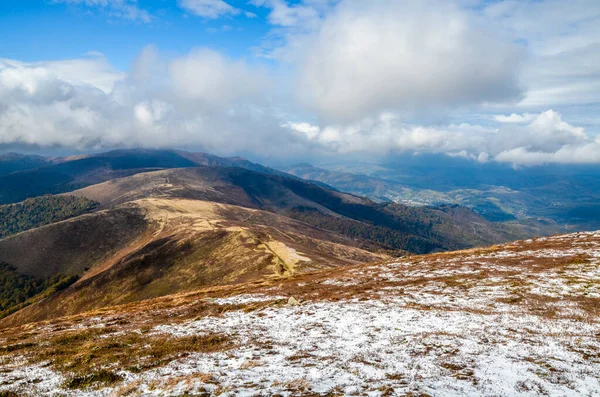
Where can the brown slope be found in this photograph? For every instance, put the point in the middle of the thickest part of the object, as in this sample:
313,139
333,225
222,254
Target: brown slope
198,244
436,324
228,185
73,246
394,226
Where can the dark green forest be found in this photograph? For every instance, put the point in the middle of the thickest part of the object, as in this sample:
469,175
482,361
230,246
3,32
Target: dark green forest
385,237
19,290
39,211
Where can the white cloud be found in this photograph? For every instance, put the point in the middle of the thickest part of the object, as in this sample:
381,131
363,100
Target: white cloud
206,75
563,41
580,154
366,57
357,58
32,77
535,139
286,15
207,101
122,9
514,118
209,9
201,100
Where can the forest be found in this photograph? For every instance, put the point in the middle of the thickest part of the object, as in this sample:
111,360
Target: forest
39,211
19,290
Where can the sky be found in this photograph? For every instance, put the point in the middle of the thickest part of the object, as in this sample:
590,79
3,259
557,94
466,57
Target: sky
514,82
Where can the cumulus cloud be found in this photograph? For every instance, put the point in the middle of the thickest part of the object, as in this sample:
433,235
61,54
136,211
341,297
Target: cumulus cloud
514,118
365,57
201,100
123,9
357,58
206,75
207,101
535,139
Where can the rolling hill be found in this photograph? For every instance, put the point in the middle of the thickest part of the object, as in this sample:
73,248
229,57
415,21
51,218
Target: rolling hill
13,162
42,176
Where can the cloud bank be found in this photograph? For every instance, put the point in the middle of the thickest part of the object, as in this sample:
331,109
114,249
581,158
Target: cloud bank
463,78
86,104
160,103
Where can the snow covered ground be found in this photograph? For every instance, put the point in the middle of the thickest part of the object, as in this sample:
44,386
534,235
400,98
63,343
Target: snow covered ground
516,320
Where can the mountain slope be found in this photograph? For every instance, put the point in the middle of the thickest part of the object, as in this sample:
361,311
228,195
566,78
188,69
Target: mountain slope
417,229
177,229
84,171
66,174
520,319
180,245
13,162
72,246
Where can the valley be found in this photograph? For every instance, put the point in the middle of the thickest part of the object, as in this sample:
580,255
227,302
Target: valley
549,198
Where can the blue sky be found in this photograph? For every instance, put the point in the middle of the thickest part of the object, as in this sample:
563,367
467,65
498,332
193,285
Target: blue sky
506,81
43,30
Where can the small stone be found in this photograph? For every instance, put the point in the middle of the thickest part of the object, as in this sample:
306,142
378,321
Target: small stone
293,302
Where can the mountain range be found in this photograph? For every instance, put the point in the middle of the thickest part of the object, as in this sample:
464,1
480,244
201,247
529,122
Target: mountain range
123,226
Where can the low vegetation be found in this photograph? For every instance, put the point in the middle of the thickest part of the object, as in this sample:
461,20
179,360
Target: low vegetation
441,324
94,357
39,211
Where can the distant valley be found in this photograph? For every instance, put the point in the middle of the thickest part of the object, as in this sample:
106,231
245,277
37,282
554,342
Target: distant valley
546,197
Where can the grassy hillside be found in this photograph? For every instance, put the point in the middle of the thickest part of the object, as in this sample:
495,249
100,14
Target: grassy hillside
38,211
163,231
395,226
70,247
386,237
520,319
197,244
45,177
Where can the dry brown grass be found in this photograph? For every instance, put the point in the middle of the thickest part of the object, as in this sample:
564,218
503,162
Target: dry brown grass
92,356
